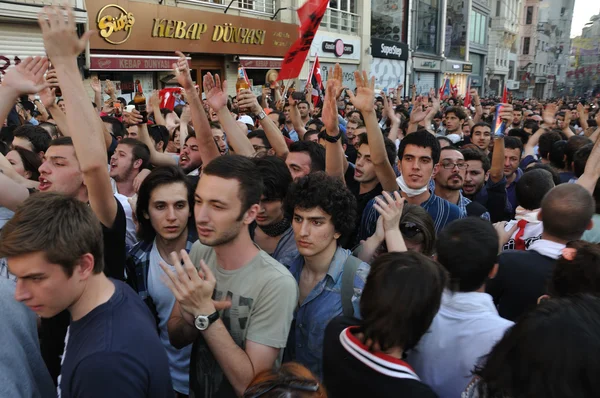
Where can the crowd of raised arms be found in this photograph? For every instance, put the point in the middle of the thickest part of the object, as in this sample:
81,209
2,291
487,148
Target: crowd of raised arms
271,246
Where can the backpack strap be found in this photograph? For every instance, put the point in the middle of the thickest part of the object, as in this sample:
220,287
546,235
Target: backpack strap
350,266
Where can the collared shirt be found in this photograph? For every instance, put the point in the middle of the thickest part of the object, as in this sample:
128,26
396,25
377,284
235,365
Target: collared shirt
138,263
462,204
323,303
441,211
464,330
493,197
286,249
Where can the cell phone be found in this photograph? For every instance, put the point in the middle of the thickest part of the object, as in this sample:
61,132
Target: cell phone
499,124
298,95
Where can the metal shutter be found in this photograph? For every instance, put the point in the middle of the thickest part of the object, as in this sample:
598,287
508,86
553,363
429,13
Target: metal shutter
424,82
19,40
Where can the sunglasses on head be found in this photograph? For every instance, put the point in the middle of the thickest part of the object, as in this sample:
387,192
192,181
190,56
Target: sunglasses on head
261,389
410,229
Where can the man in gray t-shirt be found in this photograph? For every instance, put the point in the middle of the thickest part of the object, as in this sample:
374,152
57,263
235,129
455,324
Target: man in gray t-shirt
238,307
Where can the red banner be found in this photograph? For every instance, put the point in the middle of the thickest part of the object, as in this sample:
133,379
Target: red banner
310,15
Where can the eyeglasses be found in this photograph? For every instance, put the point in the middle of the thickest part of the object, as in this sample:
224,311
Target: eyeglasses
410,229
261,389
450,165
259,147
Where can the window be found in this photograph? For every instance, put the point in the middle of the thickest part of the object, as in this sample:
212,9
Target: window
511,70
526,42
498,8
529,17
341,16
477,28
387,22
562,11
427,24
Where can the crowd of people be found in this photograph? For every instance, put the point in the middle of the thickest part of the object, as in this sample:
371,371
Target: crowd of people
275,246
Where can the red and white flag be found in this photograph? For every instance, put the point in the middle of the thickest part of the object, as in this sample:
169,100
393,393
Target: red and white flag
467,101
316,80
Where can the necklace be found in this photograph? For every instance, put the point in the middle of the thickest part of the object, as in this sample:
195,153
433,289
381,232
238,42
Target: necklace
277,228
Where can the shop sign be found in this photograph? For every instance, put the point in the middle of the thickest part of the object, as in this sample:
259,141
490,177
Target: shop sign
261,63
141,26
113,18
429,64
467,68
389,49
131,63
337,47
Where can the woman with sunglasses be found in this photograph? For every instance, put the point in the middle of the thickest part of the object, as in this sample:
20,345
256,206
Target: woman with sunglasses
291,380
400,227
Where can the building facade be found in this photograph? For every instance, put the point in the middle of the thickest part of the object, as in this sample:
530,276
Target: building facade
479,19
583,76
426,39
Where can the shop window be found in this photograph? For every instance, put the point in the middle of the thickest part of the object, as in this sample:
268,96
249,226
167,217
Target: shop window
427,26
388,19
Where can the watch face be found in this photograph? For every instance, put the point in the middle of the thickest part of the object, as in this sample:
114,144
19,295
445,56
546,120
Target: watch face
201,322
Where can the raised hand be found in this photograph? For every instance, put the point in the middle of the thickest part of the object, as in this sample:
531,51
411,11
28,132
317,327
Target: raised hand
186,115
48,97
247,100
329,113
388,110
95,84
182,71
549,113
334,78
418,114
390,210
109,88
153,102
27,77
216,92
60,34
506,113
364,100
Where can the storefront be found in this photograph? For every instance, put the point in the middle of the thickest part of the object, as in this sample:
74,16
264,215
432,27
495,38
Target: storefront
458,72
477,73
20,34
335,48
426,73
389,63
136,41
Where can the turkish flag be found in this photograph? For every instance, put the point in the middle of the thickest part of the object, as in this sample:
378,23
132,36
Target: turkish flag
316,80
310,15
467,101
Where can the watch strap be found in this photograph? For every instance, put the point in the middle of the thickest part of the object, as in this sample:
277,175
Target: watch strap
212,318
261,115
331,139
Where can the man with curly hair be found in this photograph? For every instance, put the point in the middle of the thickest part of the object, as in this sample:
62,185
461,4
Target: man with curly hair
330,279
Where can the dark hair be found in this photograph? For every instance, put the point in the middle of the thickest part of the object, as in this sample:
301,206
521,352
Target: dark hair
50,128
417,218
531,124
280,117
468,265
260,134
315,151
574,143
532,187
580,159
548,168
304,102
390,147
62,141
278,383
548,353
458,112
316,122
159,134
242,169
162,175
423,139
61,227
480,124
557,154
520,134
139,150
310,133
328,193
567,211
275,175
546,142
513,143
39,138
581,274
477,154
118,128
31,162
400,299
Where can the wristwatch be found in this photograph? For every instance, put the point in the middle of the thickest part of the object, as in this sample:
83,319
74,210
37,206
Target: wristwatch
261,115
202,322
331,139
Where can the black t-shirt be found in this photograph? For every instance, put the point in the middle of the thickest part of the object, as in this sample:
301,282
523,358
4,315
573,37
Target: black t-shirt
475,209
115,351
350,370
53,330
114,245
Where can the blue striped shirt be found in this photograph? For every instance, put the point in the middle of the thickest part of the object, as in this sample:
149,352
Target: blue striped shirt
441,211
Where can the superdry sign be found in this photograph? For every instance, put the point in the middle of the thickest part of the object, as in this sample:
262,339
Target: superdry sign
389,49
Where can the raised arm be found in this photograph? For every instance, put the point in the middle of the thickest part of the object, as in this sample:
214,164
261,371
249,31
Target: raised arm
97,88
583,116
248,100
295,117
389,112
363,101
63,46
154,102
206,143
591,174
335,159
216,96
156,158
48,98
477,104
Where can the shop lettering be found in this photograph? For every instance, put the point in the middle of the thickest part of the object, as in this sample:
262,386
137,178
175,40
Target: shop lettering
177,29
391,50
226,33
144,64
107,24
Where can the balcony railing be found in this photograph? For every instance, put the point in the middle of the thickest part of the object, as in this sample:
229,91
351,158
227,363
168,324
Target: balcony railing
252,6
341,21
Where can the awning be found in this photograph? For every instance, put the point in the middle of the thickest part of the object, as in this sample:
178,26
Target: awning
132,63
260,62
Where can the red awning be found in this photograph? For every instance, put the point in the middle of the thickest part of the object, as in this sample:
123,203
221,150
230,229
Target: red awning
131,63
